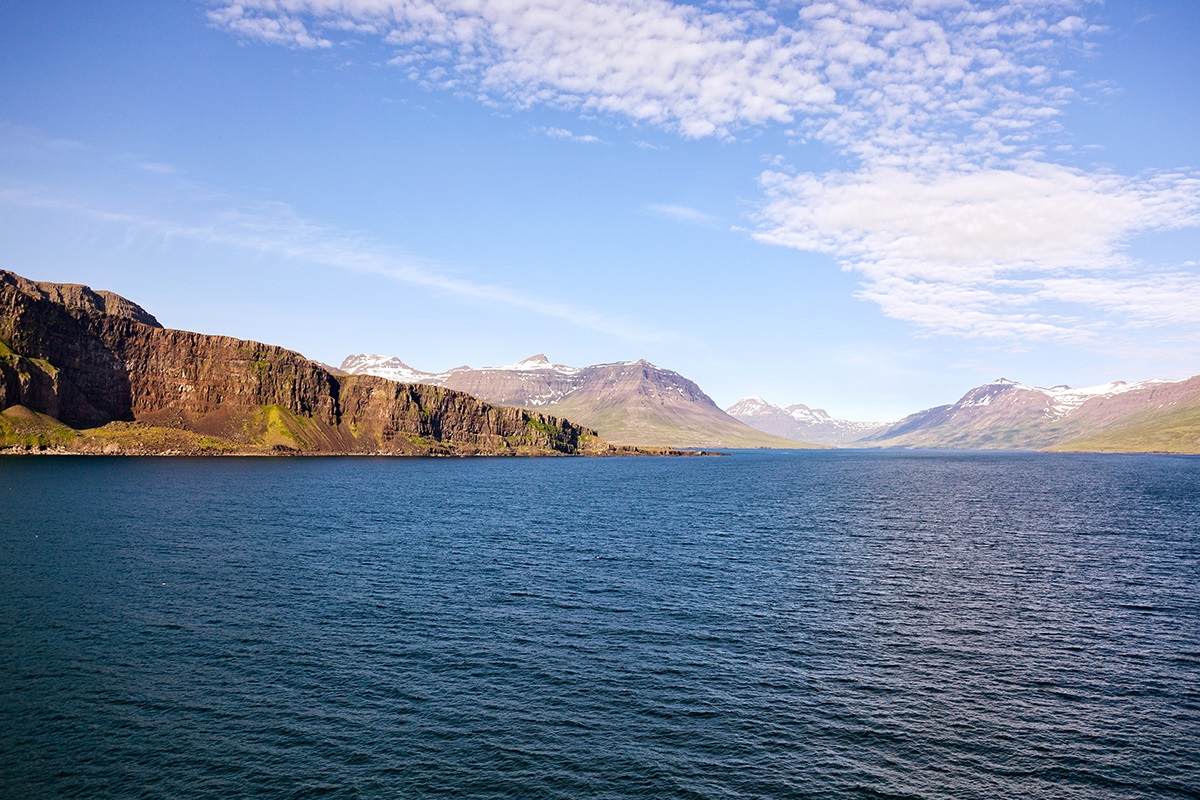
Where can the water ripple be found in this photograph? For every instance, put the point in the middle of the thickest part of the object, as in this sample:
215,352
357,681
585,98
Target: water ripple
808,625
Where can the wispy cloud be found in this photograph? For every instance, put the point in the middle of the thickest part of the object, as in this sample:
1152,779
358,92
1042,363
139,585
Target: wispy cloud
284,30
157,167
703,73
186,211
950,204
563,133
691,216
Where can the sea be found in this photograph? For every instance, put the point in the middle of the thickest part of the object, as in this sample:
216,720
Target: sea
766,624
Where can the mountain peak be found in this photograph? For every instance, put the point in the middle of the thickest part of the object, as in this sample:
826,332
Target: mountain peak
388,367
535,363
799,422
752,407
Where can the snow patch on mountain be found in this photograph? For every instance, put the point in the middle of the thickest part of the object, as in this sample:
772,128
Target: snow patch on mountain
534,382
752,407
814,416
388,367
1062,399
799,422
537,363
1067,399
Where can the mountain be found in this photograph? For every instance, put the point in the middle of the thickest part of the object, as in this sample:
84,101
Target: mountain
627,402
1151,416
87,371
800,422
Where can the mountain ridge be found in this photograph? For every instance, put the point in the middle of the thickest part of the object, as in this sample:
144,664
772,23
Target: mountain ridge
627,402
1145,416
82,370
1005,414
800,422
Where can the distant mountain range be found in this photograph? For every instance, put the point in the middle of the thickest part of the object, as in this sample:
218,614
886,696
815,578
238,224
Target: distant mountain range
635,402
1151,416
1137,417
87,371
626,401
800,422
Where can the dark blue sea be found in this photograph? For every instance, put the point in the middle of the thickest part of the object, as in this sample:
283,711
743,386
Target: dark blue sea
766,625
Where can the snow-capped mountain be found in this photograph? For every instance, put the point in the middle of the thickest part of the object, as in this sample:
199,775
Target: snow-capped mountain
531,382
1064,399
627,402
538,362
800,422
635,402
1005,414
385,367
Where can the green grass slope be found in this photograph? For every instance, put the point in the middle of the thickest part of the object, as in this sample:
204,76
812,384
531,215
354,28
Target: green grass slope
650,424
1176,430
23,429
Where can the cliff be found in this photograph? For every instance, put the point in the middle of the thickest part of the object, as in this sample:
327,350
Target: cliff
87,371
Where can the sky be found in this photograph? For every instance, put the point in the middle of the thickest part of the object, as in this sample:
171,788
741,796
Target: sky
867,206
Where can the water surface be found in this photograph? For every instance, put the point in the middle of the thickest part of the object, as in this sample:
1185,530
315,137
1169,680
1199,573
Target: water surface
806,624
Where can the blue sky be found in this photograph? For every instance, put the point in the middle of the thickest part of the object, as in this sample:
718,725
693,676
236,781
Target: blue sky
864,206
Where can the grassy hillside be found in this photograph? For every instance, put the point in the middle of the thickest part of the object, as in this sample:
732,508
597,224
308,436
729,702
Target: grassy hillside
651,425
1173,431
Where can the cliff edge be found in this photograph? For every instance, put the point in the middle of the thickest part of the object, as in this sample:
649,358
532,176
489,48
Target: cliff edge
87,371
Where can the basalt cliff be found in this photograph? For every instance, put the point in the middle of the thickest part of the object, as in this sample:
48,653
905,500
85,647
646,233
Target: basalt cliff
91,372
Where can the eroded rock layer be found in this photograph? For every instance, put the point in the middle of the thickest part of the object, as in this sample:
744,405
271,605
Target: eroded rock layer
96,361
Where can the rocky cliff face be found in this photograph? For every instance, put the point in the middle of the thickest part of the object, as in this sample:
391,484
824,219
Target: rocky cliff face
75,295
93,359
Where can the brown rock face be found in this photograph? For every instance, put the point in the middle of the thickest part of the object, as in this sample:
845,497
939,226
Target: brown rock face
74,295
90,358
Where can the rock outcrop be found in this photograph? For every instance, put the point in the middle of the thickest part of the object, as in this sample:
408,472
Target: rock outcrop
97,362
75,295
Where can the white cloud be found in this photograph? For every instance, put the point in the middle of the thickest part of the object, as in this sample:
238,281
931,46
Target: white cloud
861,75
1167,298
157,167
950,208
563,133
278,29
994,252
